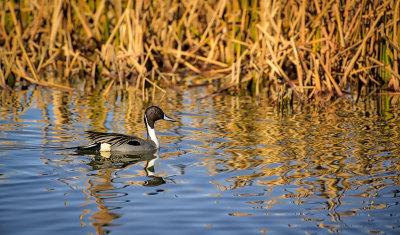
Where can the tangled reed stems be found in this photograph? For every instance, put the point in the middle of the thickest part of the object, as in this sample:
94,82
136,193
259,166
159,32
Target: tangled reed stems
285,49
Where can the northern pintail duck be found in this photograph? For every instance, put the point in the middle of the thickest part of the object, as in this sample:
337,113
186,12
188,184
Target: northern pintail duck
114,142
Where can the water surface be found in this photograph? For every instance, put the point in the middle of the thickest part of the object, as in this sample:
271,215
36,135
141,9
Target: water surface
231,165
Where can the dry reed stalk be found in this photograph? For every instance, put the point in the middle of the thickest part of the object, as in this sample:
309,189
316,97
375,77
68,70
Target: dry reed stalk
382,65
3,83
360,48
42,83
396,35
189,54
9,61
82,20
19,36
55,24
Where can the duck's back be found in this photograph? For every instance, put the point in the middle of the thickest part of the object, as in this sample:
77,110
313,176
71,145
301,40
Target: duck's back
121,142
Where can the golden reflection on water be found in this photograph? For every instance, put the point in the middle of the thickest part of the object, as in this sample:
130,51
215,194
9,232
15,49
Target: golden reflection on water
341,152
331,153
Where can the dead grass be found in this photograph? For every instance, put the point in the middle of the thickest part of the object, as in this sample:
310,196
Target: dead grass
303,49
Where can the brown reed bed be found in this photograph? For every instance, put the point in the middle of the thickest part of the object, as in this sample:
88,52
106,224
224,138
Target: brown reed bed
286,50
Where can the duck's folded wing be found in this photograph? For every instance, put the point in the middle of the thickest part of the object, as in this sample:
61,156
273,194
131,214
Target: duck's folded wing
114,139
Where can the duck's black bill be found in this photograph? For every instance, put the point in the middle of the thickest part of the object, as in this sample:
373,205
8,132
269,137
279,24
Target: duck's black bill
169,119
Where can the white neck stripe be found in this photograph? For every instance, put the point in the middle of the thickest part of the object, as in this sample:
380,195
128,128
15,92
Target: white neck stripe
152,133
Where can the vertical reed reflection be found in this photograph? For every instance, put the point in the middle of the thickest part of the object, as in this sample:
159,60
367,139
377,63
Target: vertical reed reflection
331,154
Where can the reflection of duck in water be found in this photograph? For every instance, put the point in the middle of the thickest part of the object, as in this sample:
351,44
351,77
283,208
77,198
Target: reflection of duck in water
155,180
101,184
117,160
114,142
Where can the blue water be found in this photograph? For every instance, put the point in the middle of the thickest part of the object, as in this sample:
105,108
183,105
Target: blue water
231,165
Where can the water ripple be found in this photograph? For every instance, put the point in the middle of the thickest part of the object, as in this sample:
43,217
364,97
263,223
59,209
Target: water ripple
230,165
